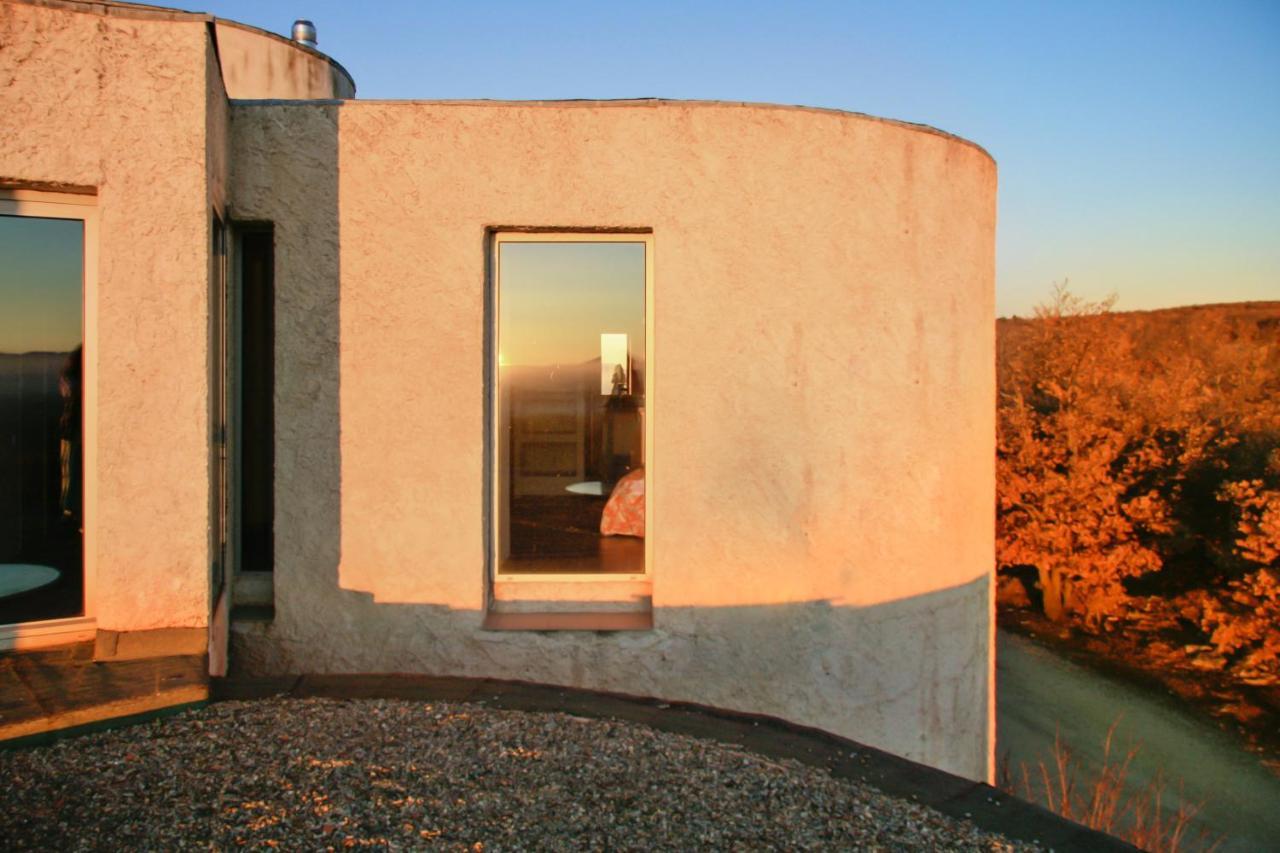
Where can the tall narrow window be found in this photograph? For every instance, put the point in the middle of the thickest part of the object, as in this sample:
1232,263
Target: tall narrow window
41,435
570,410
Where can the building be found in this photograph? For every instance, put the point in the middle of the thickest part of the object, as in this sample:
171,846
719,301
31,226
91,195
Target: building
686,399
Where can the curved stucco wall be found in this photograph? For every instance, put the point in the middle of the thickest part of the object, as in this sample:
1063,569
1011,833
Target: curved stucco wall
821,479
257,64
122,106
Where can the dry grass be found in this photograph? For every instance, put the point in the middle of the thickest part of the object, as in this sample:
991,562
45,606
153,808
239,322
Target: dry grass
1101,801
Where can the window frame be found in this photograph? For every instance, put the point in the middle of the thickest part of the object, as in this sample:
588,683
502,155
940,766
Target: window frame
83,207
496,238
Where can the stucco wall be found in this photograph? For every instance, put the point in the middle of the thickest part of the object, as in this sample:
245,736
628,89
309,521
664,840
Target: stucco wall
119,104
256,64
217,115
821,480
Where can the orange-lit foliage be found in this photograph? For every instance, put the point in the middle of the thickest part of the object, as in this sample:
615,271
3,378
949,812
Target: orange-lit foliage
1142,451
1258,539
1070,444
1244,620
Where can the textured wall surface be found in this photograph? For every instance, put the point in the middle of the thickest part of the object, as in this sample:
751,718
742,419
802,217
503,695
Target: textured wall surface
821,513
217,139
256,64
119,104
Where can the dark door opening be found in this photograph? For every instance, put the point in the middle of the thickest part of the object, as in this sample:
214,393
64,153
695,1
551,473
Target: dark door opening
257,404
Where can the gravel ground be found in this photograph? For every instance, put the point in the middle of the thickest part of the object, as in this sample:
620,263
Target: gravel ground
322,774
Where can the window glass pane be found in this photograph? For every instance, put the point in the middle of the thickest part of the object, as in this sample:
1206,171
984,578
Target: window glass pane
571,407
41,520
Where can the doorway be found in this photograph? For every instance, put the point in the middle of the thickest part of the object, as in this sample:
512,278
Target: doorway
47,381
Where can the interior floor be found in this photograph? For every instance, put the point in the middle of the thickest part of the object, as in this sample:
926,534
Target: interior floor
561,535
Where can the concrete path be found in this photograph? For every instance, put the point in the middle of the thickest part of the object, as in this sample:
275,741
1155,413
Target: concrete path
1040,693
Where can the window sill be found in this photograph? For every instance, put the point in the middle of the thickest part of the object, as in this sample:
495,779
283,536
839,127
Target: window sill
22,636
633,620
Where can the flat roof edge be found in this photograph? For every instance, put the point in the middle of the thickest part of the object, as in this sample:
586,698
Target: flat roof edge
652,103
119,9
227,22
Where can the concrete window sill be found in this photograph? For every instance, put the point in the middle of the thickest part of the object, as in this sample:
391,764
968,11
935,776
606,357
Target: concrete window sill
641,620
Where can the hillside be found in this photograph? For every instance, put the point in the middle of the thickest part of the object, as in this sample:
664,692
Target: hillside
1266,313
1138,491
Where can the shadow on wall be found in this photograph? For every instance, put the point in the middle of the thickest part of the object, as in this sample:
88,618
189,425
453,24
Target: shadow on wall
909,676
870,654
296,189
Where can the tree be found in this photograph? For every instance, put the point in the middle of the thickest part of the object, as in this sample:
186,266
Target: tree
1071,450
1143,445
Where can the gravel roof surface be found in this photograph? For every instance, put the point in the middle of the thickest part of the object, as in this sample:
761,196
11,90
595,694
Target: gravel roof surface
316,773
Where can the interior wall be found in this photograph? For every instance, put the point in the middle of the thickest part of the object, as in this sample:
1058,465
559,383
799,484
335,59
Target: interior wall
822,478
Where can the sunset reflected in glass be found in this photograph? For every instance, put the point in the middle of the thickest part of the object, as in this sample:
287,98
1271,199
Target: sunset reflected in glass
571,406
41,362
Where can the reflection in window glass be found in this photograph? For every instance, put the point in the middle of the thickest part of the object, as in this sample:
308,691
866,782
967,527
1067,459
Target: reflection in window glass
571,406
41,363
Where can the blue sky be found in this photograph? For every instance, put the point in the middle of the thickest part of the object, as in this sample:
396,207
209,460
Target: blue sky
1138,143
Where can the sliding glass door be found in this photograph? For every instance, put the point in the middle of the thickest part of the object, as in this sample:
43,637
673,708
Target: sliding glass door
570,407
41,413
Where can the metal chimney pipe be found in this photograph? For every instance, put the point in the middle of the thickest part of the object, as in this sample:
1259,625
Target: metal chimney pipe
304,32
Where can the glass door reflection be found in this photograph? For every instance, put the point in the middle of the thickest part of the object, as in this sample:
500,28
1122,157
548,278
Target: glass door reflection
571,406
41,442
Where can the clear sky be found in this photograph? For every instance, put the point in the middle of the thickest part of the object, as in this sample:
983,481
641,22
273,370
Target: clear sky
1138,143
41,270
555,300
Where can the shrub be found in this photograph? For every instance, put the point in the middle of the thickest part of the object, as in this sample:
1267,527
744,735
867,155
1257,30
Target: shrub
1141,452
